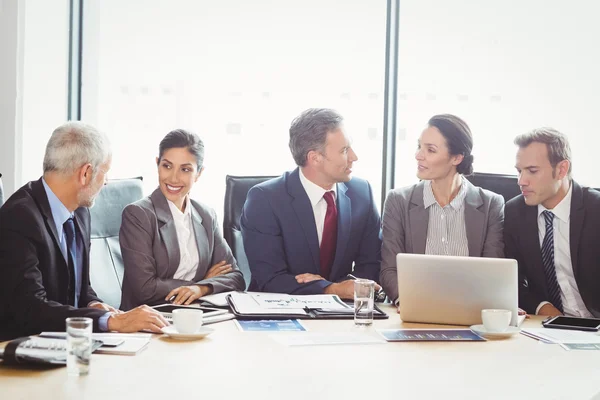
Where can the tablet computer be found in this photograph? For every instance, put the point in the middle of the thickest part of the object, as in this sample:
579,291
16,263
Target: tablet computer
576,323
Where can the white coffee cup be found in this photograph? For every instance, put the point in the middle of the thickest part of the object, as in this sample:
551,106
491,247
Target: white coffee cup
187,320
496,320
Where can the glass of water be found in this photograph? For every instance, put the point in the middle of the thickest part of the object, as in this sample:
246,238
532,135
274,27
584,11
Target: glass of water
364,291
79,345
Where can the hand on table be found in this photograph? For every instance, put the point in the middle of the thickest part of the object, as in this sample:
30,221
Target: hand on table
187,294
140,318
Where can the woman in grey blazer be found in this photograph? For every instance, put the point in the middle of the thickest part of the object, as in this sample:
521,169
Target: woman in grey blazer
172,246
444,214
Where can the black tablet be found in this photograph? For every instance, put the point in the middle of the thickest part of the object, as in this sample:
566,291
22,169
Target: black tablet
580,324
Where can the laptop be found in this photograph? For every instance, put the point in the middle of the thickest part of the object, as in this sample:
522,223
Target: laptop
454,290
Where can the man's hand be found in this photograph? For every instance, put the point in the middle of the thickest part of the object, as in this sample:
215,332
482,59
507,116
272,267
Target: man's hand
343,289
523,312
549,310
187,294
103,306
305,278
140,318
220,268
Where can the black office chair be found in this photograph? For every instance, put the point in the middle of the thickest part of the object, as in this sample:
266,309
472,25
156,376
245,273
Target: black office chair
504,185
1,192
236,190
106,261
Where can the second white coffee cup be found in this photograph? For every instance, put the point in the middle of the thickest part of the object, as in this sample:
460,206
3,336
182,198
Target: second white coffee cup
496,320
187,321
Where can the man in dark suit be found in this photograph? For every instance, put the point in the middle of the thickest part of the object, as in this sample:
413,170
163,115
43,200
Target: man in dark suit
304,231
45,242
551,229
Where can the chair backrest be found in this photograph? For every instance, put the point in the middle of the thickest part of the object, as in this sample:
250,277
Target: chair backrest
504,185
236,190
1,192
106,261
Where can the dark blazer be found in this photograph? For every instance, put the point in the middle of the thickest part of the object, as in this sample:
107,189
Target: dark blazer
522,244
405,223
151,251
280,235
36,293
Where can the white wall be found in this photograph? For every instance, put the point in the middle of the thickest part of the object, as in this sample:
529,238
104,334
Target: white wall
11,49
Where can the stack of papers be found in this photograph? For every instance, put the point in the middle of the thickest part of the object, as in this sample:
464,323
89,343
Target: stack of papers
128,344
218,299
568,339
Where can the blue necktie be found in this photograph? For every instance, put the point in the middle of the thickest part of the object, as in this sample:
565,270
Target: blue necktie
548,261
69,228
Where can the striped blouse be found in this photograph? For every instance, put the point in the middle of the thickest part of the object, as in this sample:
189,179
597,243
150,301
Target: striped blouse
446,232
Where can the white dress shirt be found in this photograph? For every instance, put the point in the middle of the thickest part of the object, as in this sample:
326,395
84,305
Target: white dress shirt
446,230
319,205
572,302
188,248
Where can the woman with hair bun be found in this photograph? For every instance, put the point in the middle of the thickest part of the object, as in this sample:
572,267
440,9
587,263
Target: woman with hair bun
444,214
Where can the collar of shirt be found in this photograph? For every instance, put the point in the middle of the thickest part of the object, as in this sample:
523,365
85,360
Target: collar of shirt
176,212
315,192
562,211
456,203
60,213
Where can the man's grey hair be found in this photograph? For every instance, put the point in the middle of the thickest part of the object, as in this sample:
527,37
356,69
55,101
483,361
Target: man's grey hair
73,145
309,132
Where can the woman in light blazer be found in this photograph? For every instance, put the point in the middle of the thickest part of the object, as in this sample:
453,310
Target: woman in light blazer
172,246
444,214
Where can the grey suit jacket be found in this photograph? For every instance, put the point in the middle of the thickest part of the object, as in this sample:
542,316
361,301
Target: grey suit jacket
405,221
151,252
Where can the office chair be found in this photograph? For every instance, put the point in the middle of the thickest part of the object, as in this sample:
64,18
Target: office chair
106,261
236,190
504,185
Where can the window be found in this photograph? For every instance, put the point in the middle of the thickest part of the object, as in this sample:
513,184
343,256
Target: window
505,68
235,72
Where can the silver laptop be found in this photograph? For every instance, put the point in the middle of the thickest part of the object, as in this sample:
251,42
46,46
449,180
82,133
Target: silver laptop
454,290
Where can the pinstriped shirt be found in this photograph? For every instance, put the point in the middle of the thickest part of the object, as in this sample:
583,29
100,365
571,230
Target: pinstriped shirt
446,231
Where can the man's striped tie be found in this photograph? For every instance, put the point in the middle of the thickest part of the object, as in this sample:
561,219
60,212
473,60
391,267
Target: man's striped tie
548,261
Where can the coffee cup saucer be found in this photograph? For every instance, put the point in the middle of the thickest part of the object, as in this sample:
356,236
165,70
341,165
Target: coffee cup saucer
480,330
171,331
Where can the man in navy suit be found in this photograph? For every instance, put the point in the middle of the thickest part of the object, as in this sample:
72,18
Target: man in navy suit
306,230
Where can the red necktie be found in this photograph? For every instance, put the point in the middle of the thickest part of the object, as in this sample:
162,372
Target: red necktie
329,238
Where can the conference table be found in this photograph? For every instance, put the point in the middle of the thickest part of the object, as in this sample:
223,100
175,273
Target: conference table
229,364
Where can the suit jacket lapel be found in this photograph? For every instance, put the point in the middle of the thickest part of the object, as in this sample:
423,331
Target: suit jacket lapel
39,193
306,218
418,218
474,219
576,224
168,233
344,226
198,223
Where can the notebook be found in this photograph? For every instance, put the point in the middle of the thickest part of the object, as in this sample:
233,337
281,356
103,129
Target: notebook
284,306
125,344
